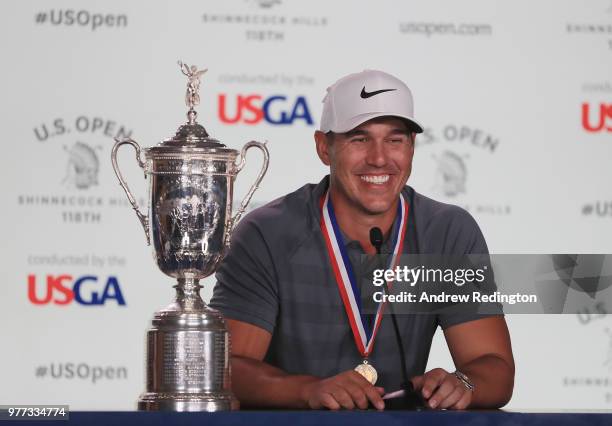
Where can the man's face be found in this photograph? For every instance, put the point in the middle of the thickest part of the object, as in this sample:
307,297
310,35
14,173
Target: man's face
370,164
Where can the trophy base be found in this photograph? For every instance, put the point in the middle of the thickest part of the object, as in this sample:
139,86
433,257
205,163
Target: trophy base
157,401
188,355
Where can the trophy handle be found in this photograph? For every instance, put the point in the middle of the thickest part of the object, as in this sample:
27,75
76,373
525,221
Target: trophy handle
144,220
249,195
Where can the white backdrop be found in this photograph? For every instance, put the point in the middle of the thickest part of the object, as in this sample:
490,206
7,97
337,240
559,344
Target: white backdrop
516,97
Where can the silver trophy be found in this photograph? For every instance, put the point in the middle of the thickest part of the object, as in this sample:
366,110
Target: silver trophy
191,178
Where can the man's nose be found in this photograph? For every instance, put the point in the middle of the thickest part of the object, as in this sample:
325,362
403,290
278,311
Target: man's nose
376,153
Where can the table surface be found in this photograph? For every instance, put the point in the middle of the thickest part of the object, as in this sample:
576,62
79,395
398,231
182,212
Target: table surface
325,418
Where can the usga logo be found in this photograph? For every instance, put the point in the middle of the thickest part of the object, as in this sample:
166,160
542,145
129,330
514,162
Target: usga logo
86,290
252,109
594,117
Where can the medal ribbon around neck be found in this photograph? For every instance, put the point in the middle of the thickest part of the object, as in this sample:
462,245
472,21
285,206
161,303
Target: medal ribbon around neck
345,278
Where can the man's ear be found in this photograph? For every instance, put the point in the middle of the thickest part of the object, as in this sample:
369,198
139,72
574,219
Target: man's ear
322,143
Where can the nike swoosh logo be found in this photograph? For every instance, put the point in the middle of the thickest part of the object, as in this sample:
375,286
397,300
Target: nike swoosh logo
366,95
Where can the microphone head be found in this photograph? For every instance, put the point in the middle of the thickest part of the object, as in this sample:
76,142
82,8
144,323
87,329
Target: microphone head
376,237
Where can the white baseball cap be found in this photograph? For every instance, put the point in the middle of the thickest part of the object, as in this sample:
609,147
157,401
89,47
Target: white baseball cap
359,97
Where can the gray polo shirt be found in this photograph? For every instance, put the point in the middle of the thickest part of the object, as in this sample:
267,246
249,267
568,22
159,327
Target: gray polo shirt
277,276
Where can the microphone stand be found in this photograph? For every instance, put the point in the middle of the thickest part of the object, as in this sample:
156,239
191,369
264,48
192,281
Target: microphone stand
411,399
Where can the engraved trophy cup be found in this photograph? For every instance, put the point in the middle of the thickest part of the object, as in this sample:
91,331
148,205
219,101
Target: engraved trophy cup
189,223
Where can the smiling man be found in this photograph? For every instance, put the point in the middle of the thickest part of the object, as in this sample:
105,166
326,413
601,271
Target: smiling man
297,341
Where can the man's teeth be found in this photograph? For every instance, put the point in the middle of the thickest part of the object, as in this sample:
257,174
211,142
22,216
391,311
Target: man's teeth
375,179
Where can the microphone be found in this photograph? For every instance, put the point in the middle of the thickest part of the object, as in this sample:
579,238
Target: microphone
376,238
412,399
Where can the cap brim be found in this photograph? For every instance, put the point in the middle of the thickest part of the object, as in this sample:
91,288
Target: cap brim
413,125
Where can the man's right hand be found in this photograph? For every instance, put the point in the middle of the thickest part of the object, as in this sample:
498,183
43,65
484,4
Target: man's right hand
346,390
258,384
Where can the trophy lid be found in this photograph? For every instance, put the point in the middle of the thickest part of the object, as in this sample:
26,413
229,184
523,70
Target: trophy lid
192,136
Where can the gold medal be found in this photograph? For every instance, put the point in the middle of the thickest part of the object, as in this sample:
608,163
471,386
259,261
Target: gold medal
367,371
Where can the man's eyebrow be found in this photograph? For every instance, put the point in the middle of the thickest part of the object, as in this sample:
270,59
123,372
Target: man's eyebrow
355,132
360,132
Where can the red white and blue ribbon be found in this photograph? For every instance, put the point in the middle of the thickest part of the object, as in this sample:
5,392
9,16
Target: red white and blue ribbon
345,278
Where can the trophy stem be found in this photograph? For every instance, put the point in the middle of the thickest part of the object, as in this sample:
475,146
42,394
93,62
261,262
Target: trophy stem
188,294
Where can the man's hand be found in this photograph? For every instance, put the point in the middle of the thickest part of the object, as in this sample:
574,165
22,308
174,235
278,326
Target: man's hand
442,389
347,390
